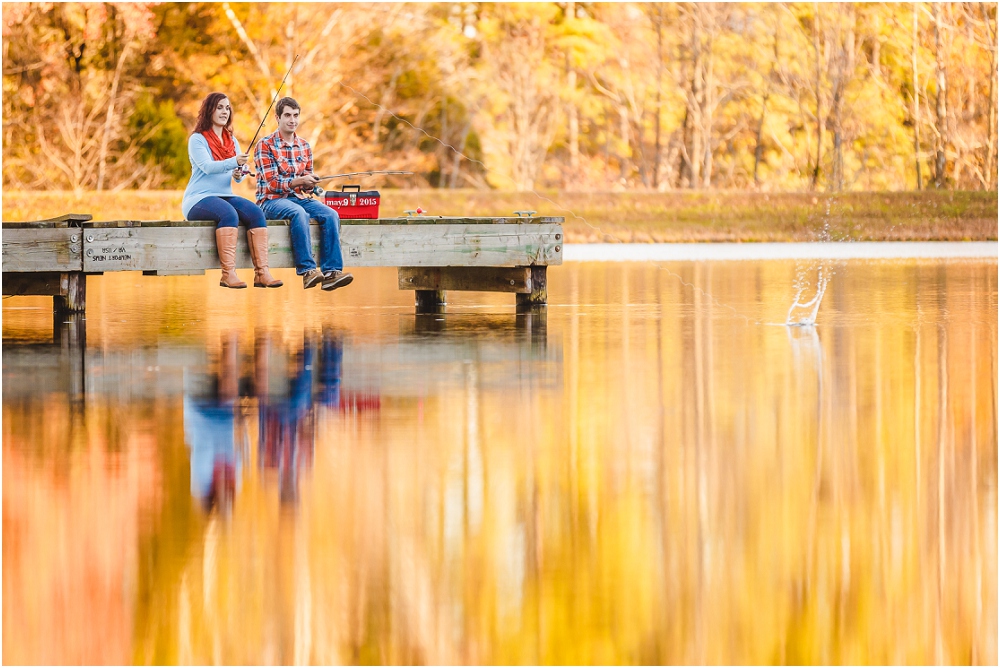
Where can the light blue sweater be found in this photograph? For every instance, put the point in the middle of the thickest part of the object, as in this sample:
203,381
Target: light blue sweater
208,177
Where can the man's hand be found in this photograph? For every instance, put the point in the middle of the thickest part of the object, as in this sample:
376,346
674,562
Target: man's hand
241,158
304,181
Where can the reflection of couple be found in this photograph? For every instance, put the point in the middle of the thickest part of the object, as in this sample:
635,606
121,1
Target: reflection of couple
287,430
286,436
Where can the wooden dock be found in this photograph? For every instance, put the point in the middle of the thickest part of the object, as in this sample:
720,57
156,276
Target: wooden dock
433,254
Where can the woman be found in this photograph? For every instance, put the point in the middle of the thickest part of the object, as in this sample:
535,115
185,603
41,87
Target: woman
216,160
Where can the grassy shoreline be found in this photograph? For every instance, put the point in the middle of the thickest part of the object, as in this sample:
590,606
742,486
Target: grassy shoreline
627,217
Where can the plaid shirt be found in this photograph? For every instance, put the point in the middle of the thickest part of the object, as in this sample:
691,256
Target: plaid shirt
278,162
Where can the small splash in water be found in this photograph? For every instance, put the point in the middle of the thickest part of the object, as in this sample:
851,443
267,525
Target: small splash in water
803,313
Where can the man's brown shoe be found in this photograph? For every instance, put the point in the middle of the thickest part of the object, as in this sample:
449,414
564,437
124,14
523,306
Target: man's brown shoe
336,279
311,278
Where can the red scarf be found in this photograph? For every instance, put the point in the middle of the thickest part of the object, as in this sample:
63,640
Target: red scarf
222,149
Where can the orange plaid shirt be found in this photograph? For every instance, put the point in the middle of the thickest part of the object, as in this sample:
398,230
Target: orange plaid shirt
278,162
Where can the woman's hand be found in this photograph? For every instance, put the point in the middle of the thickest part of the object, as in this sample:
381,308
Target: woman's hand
241,158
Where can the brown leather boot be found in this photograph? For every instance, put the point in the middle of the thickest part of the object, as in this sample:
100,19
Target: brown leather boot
257,240
225,240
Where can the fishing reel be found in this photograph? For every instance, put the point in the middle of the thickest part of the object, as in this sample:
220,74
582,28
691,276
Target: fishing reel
315,191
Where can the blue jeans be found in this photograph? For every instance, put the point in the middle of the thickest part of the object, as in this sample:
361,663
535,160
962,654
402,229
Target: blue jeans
228,212
298,212
331,356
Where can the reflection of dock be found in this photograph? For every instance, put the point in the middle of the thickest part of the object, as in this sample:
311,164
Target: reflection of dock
429,354
508,350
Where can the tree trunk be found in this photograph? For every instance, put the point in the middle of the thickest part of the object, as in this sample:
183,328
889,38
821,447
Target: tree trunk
626,158
696,103
574,129
456,162
844,66
759,148
684,169
819,99
991,141
657,152
838,157
571,111
940,161
916,101
110,118
708,117
388,99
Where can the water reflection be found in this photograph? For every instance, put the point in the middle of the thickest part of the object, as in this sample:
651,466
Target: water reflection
285,387
639,476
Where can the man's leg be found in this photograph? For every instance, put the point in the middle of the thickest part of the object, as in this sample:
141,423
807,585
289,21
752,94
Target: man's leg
298,230
330,256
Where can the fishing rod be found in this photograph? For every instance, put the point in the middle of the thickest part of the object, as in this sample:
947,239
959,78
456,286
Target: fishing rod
341,176
246,168
319,191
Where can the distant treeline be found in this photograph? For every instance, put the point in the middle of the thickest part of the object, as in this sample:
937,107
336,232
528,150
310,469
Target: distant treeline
570,95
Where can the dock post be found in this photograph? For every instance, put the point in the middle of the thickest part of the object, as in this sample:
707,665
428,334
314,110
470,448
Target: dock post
430,301
73,293
539,292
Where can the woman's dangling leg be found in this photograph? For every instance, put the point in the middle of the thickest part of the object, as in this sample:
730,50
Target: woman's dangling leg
227,220
251,215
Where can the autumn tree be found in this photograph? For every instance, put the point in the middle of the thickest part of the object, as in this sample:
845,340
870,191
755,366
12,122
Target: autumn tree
577,95
69,79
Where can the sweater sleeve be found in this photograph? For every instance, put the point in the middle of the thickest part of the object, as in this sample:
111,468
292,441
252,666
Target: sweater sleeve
201,157
238,174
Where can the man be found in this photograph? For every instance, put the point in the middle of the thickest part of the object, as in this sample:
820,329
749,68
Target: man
284,180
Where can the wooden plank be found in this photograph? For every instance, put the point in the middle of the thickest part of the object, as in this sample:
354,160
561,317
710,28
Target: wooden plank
456,220
175,272
451,245
38,249
482,279
401,220
33,283
193,248
100,224
157,249
67,220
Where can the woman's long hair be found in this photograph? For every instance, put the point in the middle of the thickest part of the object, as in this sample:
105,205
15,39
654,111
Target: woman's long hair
206,111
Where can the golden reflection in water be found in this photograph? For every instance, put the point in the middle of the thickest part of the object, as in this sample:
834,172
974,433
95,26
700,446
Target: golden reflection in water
639,477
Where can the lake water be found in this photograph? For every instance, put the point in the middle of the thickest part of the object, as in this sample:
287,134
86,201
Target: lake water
655,470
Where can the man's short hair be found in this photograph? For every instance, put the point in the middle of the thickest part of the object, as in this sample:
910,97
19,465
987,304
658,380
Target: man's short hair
286,102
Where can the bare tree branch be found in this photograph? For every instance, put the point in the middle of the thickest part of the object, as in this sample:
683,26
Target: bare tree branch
251,47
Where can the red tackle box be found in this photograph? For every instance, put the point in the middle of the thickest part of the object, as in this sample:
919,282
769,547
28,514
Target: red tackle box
352,202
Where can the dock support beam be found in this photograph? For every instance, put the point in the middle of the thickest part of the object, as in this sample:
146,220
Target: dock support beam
430,301
68,289
430,284
539,295
73,293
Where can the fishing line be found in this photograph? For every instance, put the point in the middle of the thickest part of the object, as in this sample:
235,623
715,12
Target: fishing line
596,228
